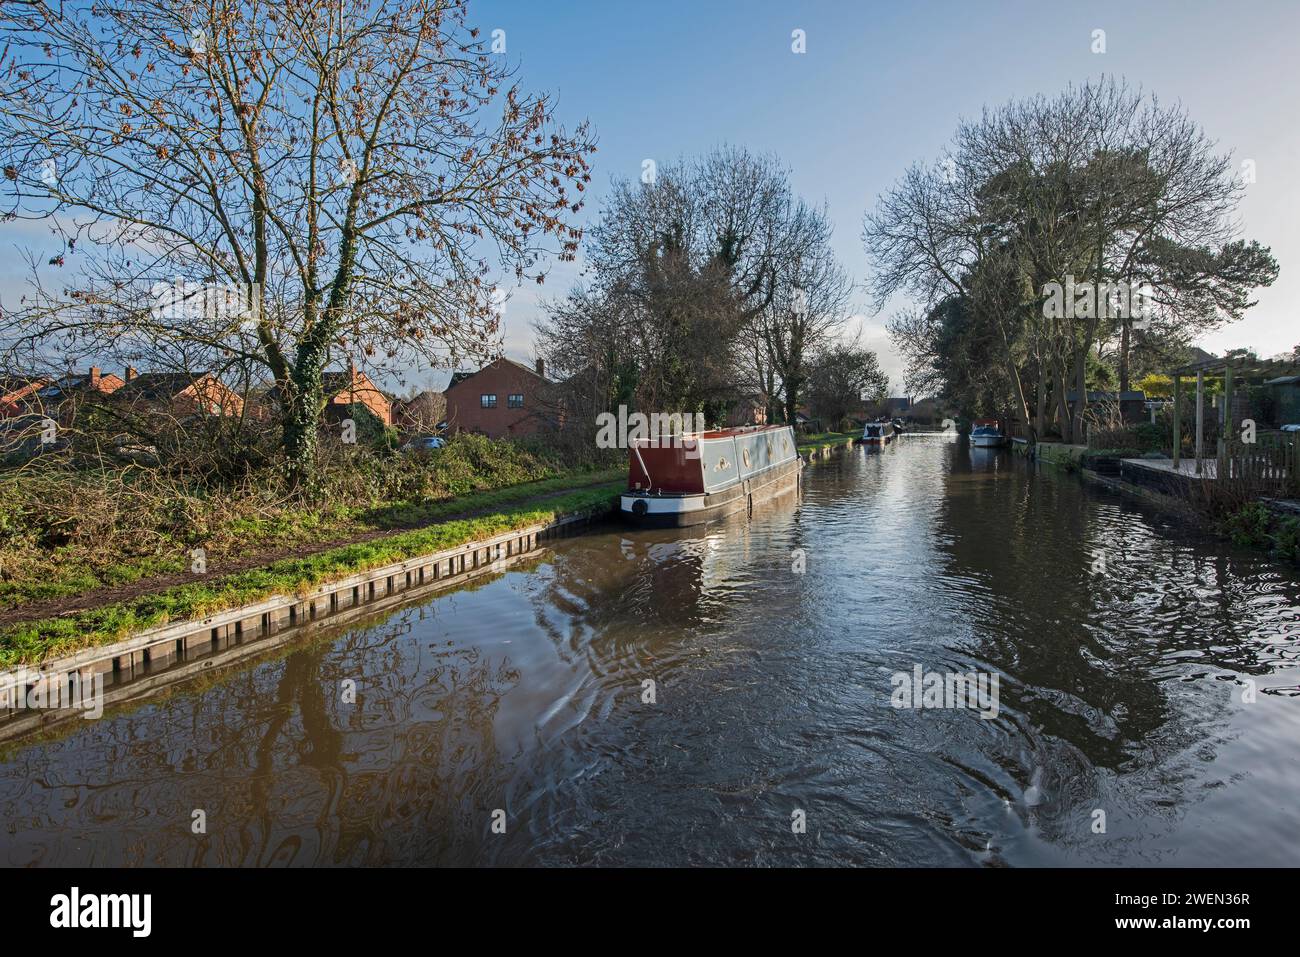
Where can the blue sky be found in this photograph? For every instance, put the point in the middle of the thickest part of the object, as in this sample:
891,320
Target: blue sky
883,85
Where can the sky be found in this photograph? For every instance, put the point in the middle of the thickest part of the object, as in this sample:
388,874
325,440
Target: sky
883,85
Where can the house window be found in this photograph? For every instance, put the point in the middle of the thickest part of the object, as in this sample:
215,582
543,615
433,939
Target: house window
515,401
488,400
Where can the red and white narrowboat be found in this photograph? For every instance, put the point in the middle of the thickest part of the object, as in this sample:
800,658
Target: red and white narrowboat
688,480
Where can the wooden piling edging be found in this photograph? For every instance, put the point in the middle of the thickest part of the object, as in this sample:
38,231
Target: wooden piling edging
135,666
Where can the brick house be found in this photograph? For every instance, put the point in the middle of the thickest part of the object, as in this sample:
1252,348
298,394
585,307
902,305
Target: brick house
61,397
341,390
354,387
179,394
18,394
504,398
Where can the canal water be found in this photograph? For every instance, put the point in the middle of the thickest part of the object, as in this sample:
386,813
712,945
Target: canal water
726,696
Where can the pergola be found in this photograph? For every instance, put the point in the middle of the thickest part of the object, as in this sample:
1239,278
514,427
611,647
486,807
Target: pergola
1229,369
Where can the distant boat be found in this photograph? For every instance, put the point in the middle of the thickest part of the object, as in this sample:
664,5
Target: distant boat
986,433
878,433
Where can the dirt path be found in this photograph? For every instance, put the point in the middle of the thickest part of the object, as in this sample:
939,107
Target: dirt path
71,604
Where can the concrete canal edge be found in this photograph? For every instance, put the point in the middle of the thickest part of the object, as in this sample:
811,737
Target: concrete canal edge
1062,455
1137,479
1058,453
157,657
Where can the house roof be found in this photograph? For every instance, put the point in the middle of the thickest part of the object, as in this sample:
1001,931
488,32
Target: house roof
1133,395
1241,366
458,377
76,381
160,385
1284,380
420,398
337,380
21,385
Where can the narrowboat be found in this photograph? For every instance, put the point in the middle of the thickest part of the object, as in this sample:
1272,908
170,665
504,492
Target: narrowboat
692,479
878,433
986,433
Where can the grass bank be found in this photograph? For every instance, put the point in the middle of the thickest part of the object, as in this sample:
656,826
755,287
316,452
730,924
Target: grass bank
68,532
31,642
820,439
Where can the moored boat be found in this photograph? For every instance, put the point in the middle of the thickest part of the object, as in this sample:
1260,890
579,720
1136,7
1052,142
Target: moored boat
878,433
986,433
692,479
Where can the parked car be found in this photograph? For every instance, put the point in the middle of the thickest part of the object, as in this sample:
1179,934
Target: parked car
424,443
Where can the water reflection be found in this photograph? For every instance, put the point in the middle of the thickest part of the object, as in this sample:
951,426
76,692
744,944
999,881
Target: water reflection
653,697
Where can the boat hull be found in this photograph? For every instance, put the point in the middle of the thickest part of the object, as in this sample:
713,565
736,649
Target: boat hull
988,441
679,511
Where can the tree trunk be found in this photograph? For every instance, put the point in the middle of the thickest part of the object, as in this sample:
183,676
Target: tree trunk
302,400
1009,356
1123,355
1022,403
791,406
1040,401
1064,421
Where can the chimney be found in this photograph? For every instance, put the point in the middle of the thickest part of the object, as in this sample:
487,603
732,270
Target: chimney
130,373
94,377
541,368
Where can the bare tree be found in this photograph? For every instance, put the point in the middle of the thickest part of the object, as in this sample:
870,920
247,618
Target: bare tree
355,173
808,308
708,281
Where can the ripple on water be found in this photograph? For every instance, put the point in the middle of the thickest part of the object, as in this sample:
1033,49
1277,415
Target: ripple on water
653,697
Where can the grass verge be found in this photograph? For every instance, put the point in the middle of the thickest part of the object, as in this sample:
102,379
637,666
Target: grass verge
35,641
810,442
71,571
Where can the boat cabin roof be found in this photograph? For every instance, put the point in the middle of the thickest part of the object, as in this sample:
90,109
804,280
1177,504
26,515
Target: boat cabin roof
727,433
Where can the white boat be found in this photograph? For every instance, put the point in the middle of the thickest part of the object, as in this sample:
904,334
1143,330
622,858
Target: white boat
986,434
878,433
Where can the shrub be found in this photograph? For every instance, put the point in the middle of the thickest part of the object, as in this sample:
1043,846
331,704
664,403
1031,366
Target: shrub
1149,437
1259,526
65,529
